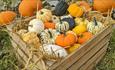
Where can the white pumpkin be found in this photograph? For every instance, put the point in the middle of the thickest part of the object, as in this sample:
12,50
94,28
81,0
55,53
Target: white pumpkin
36,25
95,26
44,15
48,36
53,51
55,19
62,26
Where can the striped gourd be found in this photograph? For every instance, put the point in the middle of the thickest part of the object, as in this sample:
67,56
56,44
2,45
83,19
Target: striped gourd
48,36
62,26
95,26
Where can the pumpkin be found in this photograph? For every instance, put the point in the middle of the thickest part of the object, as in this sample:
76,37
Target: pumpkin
49,25
48,36
84,37
61,8
75,10
79,21
84,5
66,40
6,17
103,5
53,52
31,39
70,20
62,26
113,14
29,7
73,48
95,26
35,25
44,15
80,29
55,19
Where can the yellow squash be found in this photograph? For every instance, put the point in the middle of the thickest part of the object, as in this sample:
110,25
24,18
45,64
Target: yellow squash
80,29
73,48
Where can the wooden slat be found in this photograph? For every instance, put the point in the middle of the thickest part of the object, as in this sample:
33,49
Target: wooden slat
89,54
21,43
17,53
94,58
69,60
91,67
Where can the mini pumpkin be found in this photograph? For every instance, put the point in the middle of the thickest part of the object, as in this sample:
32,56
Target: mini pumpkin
29,7
53,52
61,8
49,25
84,37
48,36
80,29
75,10
70,20
62,26
31,39
66,40
95,26
35,25
44,14
6,17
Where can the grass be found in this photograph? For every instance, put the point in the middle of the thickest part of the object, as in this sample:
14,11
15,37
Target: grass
8,60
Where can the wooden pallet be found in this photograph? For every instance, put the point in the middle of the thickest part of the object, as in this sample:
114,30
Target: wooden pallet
84,58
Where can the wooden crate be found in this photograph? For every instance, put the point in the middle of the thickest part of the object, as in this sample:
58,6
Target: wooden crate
84,58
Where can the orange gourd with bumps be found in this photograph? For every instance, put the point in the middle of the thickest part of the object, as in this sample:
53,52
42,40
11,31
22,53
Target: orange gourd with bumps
84,37
6,17
66,40
29,7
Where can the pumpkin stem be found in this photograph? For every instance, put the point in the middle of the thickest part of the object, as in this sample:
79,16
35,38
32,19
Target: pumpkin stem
84,16
95,21
41,12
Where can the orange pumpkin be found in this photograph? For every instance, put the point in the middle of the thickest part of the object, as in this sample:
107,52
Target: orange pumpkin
102,5
66,40
49,25
85,5
75,10
29,7
6,17
84,37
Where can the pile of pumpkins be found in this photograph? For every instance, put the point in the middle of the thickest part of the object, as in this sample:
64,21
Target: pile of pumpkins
61,29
